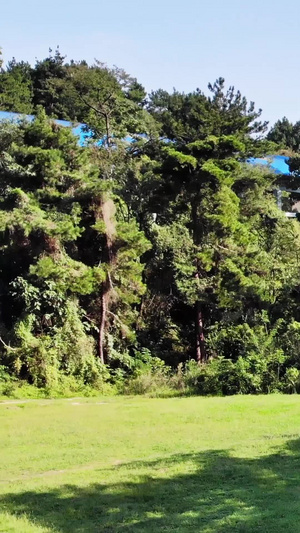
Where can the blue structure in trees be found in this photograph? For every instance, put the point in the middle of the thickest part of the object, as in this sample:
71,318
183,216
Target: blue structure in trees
277,163
77,130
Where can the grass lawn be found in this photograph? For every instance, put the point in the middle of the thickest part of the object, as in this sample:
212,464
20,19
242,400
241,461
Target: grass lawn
151,465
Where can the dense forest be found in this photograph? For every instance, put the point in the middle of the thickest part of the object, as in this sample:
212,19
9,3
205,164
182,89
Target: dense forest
153,255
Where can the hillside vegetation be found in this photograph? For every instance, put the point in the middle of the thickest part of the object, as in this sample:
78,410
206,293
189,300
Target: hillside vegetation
153,257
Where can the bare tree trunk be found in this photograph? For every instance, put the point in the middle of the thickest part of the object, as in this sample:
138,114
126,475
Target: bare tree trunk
102,326
201,356
200,341
106,212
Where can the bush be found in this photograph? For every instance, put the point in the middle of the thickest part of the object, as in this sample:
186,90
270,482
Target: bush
292,380
148,382
248,375
8,383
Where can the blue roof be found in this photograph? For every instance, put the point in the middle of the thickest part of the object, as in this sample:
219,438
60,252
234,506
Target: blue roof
76,129
278,163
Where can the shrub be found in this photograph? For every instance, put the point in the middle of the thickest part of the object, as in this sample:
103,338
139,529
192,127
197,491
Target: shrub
292,380
8,383
248,375
148,382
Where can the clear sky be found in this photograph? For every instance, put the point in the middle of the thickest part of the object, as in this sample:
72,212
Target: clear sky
253,44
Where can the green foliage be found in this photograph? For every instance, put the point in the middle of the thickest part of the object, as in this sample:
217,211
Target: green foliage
171,242
226,252
286,134
16,89
53,204
151,383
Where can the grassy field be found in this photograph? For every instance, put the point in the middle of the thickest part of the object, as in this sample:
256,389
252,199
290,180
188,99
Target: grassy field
151,465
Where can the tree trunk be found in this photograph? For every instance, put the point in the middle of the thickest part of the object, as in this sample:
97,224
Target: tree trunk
107,127
200,341
102,326
199,334
105,211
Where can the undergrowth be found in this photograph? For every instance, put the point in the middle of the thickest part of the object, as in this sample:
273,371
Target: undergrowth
153,378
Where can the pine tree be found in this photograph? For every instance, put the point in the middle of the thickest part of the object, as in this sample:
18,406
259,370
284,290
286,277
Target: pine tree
73,259
208,243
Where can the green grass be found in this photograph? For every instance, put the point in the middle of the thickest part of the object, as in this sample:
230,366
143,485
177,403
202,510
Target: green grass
138,465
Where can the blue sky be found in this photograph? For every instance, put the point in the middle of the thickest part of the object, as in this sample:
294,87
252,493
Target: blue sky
253,44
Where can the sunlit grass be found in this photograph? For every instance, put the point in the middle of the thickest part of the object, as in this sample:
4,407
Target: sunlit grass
147,465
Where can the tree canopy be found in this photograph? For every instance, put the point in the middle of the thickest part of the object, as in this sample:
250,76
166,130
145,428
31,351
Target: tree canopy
151,253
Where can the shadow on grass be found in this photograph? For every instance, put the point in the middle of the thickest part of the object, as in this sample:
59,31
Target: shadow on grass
219,493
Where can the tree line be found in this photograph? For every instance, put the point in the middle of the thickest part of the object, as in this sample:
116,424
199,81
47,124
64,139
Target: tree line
155,248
